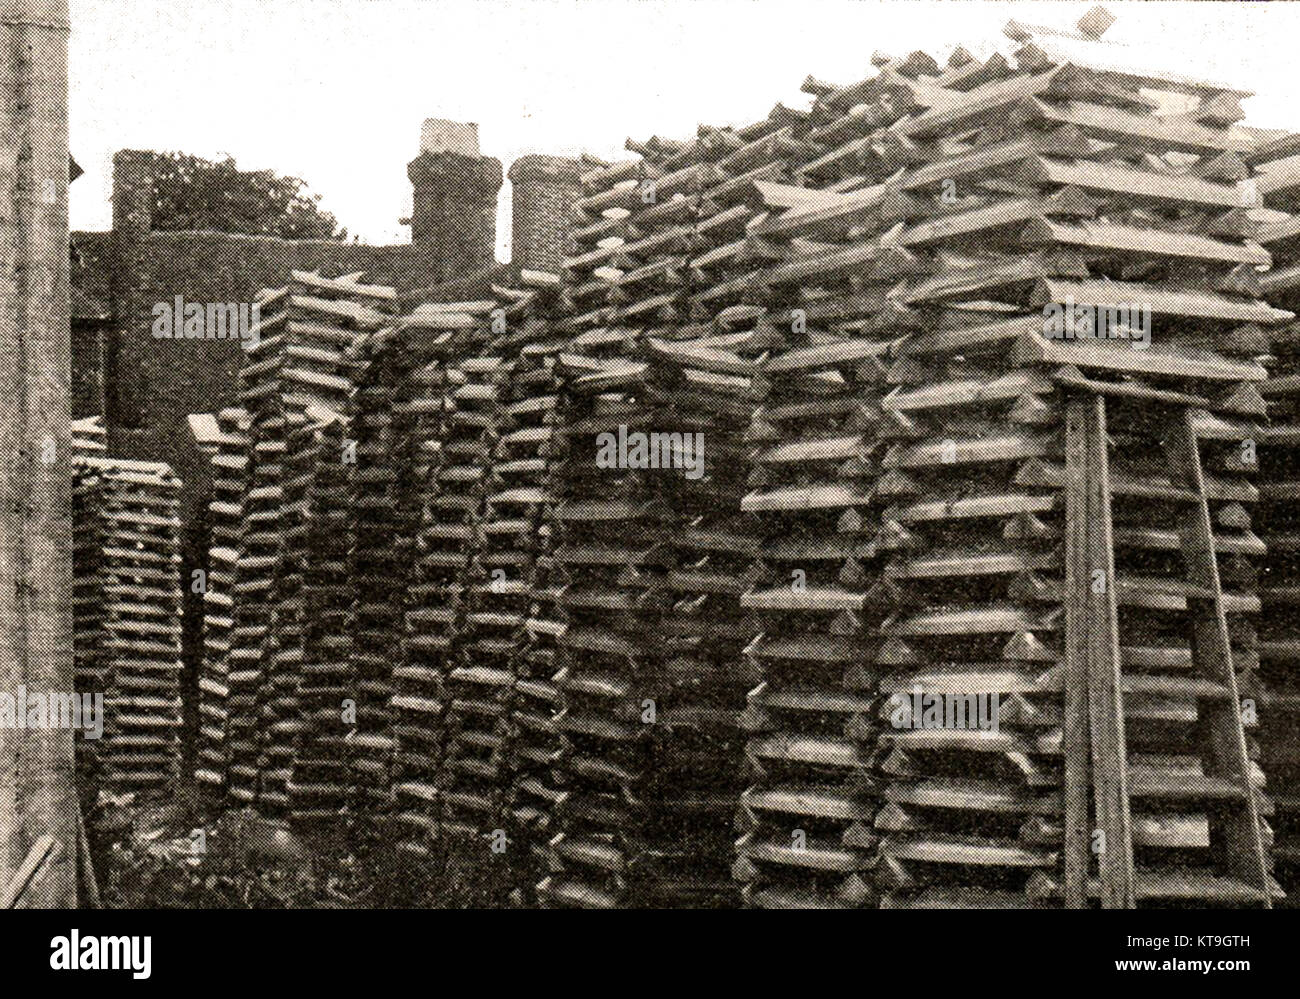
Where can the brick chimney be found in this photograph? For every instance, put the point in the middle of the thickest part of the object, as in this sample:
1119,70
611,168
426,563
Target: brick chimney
128,347
453,217
544,189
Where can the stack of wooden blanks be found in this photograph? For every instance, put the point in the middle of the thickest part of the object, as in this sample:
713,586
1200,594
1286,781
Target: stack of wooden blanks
799,291
652,225
299,360
673,246
706,385
805,819
127,604
510,620
610,563
328,716
524,487
442,522
480,684
90,437
230,484
1278,522
252,639
316,496
1035,201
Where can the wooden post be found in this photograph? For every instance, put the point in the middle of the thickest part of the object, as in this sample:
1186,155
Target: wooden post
1078,828
37,781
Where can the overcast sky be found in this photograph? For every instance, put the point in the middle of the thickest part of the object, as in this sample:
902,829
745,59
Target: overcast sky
334,90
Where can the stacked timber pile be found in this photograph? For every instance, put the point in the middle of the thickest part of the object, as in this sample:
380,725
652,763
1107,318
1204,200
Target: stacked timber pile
316,495
609,564
660,563
381,545
90,437
230,466
519,557
912,450
1025,198
1279,461
473,708
431,605
127,600
499,773
474,781
296,380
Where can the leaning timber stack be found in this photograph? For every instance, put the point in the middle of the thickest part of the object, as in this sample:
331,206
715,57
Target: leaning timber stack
417,701
297,373
442,503
608,526
505,660
518,540
127,600
252,638
1279,462
322,691
474,780
230,466
1004,202
316,495
329,319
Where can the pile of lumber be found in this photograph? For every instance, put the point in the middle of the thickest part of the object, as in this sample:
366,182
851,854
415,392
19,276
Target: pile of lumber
609,529
478,684
127,605
439,556
655,558
296,381
230,484
911,451
499,773
318,537
1277,521
90,436
898,473
381,544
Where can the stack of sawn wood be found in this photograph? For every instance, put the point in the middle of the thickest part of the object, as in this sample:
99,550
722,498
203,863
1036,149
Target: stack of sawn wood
910,453
1279,464
127,606
276,700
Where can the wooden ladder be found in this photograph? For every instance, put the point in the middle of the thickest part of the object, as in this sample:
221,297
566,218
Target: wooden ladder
1095,743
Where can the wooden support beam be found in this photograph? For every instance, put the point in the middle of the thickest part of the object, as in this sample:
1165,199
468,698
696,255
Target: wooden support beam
37,780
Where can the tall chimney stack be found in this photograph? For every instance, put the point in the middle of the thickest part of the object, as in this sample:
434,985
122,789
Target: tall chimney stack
544,189
453,217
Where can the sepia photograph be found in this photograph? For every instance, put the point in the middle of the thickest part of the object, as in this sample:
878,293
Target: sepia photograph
530,455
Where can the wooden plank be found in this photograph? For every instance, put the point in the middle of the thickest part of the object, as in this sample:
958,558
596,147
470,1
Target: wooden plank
1146,242
1137,184
1105,698
43,853
1161,301
1078,829
1242,844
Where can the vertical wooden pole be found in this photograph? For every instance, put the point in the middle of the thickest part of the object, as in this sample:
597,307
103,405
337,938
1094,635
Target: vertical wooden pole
1078,828
1105,697
37,787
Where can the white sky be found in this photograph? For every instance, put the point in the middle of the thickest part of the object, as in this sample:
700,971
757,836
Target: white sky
334,91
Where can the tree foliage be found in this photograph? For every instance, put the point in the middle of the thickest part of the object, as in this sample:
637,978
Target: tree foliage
190,192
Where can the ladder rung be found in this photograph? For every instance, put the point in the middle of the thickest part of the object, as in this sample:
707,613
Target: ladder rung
1154,783
1174,686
